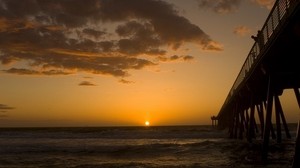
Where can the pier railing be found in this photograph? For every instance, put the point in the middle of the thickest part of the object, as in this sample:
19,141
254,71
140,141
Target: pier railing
273,23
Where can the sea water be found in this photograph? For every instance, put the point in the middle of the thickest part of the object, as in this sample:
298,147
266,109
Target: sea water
136,147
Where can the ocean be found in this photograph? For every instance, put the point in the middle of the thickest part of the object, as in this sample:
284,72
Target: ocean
135,147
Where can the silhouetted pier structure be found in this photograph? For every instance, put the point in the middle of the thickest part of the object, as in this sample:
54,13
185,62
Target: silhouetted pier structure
271,66
214,121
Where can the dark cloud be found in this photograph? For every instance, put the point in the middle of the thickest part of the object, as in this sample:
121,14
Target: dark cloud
60,37
86,83
93,33
64,60
125,81
176,58
3,109
23,71
188,58
220,6
169,26
138,38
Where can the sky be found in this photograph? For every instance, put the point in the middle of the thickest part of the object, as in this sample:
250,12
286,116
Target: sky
121,63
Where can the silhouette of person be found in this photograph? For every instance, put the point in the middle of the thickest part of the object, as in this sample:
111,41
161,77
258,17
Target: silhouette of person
259,39
254,38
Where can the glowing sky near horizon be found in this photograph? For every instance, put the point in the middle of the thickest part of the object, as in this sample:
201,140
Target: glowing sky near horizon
116,62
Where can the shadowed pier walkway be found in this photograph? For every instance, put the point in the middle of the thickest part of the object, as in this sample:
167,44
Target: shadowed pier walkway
271,66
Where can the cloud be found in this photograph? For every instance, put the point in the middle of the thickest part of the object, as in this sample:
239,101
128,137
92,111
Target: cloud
23,71
3,109
125,81
188,58
93,33
86,83
242,30
137,38
176,58
230,6
265,3
220,6
96,36
183,57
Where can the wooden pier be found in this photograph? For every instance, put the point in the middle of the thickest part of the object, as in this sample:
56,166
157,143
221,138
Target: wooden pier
271,67
214,121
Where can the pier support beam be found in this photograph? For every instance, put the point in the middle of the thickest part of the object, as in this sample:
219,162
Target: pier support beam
296,161
247,122
278,110
282,117
260,110
236,125
252,123
267,128
243,124
214,121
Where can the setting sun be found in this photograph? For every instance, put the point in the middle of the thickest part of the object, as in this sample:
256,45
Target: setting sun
147,123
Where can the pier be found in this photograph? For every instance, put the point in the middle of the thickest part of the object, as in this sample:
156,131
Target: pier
271,66
214,121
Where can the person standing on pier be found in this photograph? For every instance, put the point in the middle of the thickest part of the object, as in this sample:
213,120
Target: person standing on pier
259,39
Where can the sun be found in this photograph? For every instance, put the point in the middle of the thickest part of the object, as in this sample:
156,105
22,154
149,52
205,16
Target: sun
147,123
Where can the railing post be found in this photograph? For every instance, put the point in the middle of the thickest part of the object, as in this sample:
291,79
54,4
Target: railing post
286,6
278,14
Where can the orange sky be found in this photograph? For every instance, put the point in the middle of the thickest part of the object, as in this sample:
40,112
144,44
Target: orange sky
112,63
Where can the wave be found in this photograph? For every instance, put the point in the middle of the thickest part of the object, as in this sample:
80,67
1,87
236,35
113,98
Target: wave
190,146
102,146
164,132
